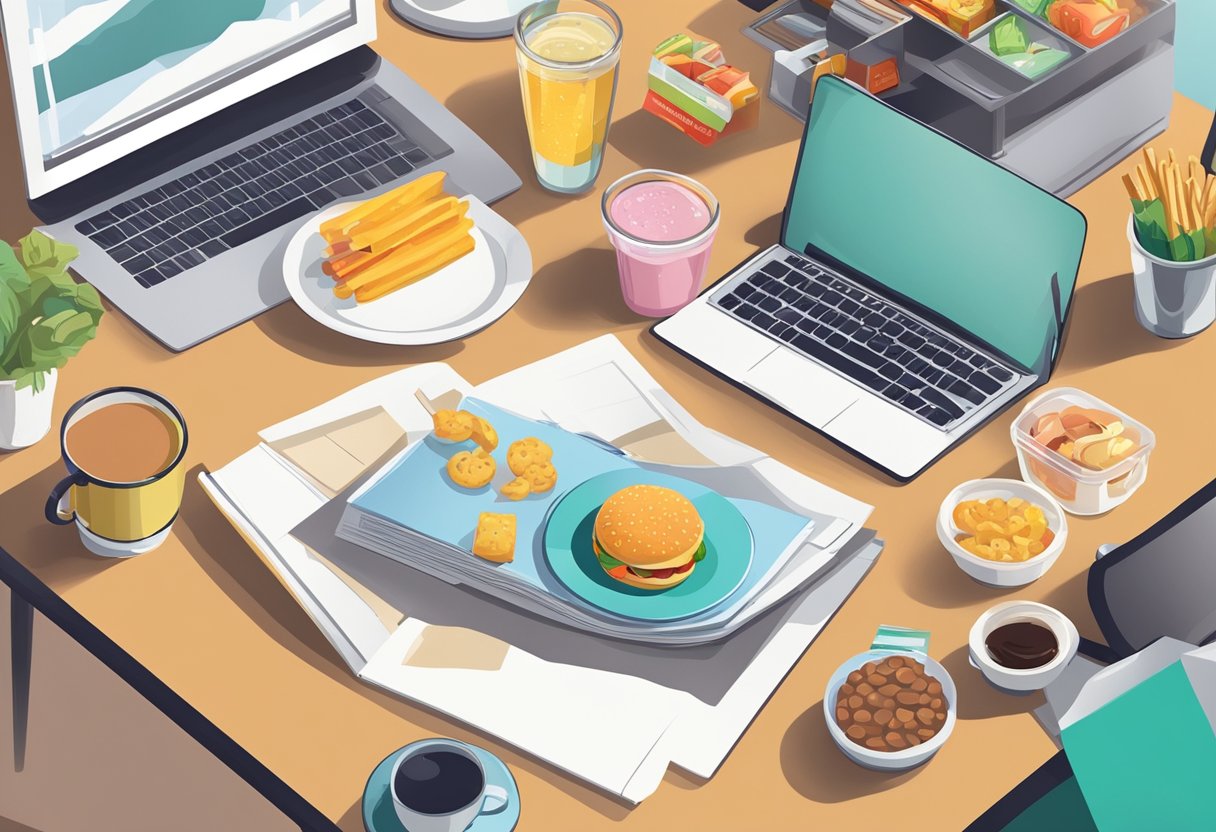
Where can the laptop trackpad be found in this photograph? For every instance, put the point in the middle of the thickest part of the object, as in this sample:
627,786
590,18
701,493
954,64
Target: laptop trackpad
810,392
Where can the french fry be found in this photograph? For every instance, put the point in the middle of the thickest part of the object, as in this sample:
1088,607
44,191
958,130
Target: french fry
1167,184
1197,223
403,258
1147,182
1196,171
449,228
419,189
1183,202
422,269
1133,188
339,268
386,235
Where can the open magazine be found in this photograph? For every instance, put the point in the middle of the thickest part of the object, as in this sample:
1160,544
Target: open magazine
515,670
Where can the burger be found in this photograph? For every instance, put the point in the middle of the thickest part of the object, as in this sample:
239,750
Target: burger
649,537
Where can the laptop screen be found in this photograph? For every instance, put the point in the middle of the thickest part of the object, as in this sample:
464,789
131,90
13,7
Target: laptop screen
89,73
933,223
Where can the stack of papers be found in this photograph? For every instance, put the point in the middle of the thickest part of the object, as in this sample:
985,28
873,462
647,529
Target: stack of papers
411,512
509,670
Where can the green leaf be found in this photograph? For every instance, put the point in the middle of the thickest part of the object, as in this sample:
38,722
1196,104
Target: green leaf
700,554
77,324
45,255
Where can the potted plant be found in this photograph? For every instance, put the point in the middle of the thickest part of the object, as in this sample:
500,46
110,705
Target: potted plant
1172,231
45,318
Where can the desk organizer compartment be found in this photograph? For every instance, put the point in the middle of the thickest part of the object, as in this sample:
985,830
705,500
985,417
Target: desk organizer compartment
1040,38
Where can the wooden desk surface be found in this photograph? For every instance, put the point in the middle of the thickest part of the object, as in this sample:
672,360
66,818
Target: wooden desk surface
209,619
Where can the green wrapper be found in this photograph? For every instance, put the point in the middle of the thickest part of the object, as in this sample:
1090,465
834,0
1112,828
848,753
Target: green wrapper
1008,37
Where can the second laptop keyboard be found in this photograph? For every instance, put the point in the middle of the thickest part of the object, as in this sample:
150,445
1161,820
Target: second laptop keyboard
342,152
866,339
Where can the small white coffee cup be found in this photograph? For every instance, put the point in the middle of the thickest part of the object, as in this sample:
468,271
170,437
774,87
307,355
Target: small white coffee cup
1012,680
489,800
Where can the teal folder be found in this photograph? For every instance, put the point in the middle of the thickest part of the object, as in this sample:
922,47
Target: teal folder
1146,760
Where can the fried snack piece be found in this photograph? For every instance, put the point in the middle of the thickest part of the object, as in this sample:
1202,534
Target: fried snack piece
517,489
525,452
542,476
494,539
1002,530
472,469
454,425
484,434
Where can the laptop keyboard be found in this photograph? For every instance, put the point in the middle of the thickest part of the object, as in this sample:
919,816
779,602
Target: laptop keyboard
866,339
342,152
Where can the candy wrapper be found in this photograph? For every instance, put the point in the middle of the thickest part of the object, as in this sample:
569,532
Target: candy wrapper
692,88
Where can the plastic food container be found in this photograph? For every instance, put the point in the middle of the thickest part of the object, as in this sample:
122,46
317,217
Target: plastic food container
993,572
1080,490
890,760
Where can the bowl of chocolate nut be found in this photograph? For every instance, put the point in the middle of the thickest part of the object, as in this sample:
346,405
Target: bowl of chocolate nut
889,710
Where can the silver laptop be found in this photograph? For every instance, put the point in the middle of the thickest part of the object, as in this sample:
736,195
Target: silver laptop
178,144
917,289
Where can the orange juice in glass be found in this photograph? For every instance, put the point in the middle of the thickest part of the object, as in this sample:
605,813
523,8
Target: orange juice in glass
567,51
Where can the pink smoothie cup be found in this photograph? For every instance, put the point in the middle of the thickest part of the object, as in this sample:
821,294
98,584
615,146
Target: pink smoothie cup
661,276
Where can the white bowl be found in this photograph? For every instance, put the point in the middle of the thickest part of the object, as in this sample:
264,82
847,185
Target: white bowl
1001,573
1010,679
890,760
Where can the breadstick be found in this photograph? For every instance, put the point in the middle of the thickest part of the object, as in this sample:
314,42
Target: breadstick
403,258
420,188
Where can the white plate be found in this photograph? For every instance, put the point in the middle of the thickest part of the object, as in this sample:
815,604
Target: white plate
462,18
455,301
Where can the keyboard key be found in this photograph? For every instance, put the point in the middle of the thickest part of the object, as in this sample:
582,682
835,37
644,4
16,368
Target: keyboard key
848,307
789,315
196,215
790,295
211,228
275,199
193,237
893,329
911,340
746,311
137,264
123,252
1000,373
835,360
211,248
149,278
892,371
832,297
964,390
863,354
984,382
365,180
189,259
936,415
768,303
268,222
933,376
729,302
400,166
912,401
880,343
345,187
744,291
848,327
894,392
109,237
169,269
943,359
775,269
960,368
916,365
383,173
764,320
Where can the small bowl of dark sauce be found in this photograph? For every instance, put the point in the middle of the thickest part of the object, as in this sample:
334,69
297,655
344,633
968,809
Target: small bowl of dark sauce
1022,646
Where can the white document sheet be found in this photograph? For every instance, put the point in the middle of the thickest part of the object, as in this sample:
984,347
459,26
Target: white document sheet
501,669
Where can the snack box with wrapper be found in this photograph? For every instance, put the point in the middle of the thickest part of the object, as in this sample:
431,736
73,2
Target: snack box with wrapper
873,68
692,88
962,16
1087,454
1089,22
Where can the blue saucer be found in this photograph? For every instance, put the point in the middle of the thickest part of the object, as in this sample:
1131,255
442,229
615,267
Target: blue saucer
380,816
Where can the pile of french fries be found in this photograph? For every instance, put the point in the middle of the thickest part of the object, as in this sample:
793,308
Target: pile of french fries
1188,193
396,239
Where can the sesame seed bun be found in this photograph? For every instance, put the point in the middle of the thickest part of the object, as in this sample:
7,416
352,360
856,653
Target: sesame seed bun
651,527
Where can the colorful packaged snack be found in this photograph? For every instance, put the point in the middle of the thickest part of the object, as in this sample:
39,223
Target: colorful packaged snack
1089,22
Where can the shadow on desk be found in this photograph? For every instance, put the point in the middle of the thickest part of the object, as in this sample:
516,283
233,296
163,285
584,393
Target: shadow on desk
580,292
54,553
288,326
815,768
1099,309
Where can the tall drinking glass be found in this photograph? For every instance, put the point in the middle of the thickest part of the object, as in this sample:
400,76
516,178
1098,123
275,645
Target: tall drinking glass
567,51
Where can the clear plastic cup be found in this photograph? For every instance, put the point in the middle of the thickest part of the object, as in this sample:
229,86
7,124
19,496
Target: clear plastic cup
567,52
660,276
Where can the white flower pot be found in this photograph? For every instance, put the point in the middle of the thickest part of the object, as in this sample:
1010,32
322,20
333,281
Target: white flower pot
25,416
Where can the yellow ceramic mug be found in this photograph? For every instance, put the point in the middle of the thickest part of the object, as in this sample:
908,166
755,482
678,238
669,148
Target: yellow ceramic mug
127,516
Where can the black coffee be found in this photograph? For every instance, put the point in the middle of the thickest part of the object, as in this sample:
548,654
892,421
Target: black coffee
438,782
